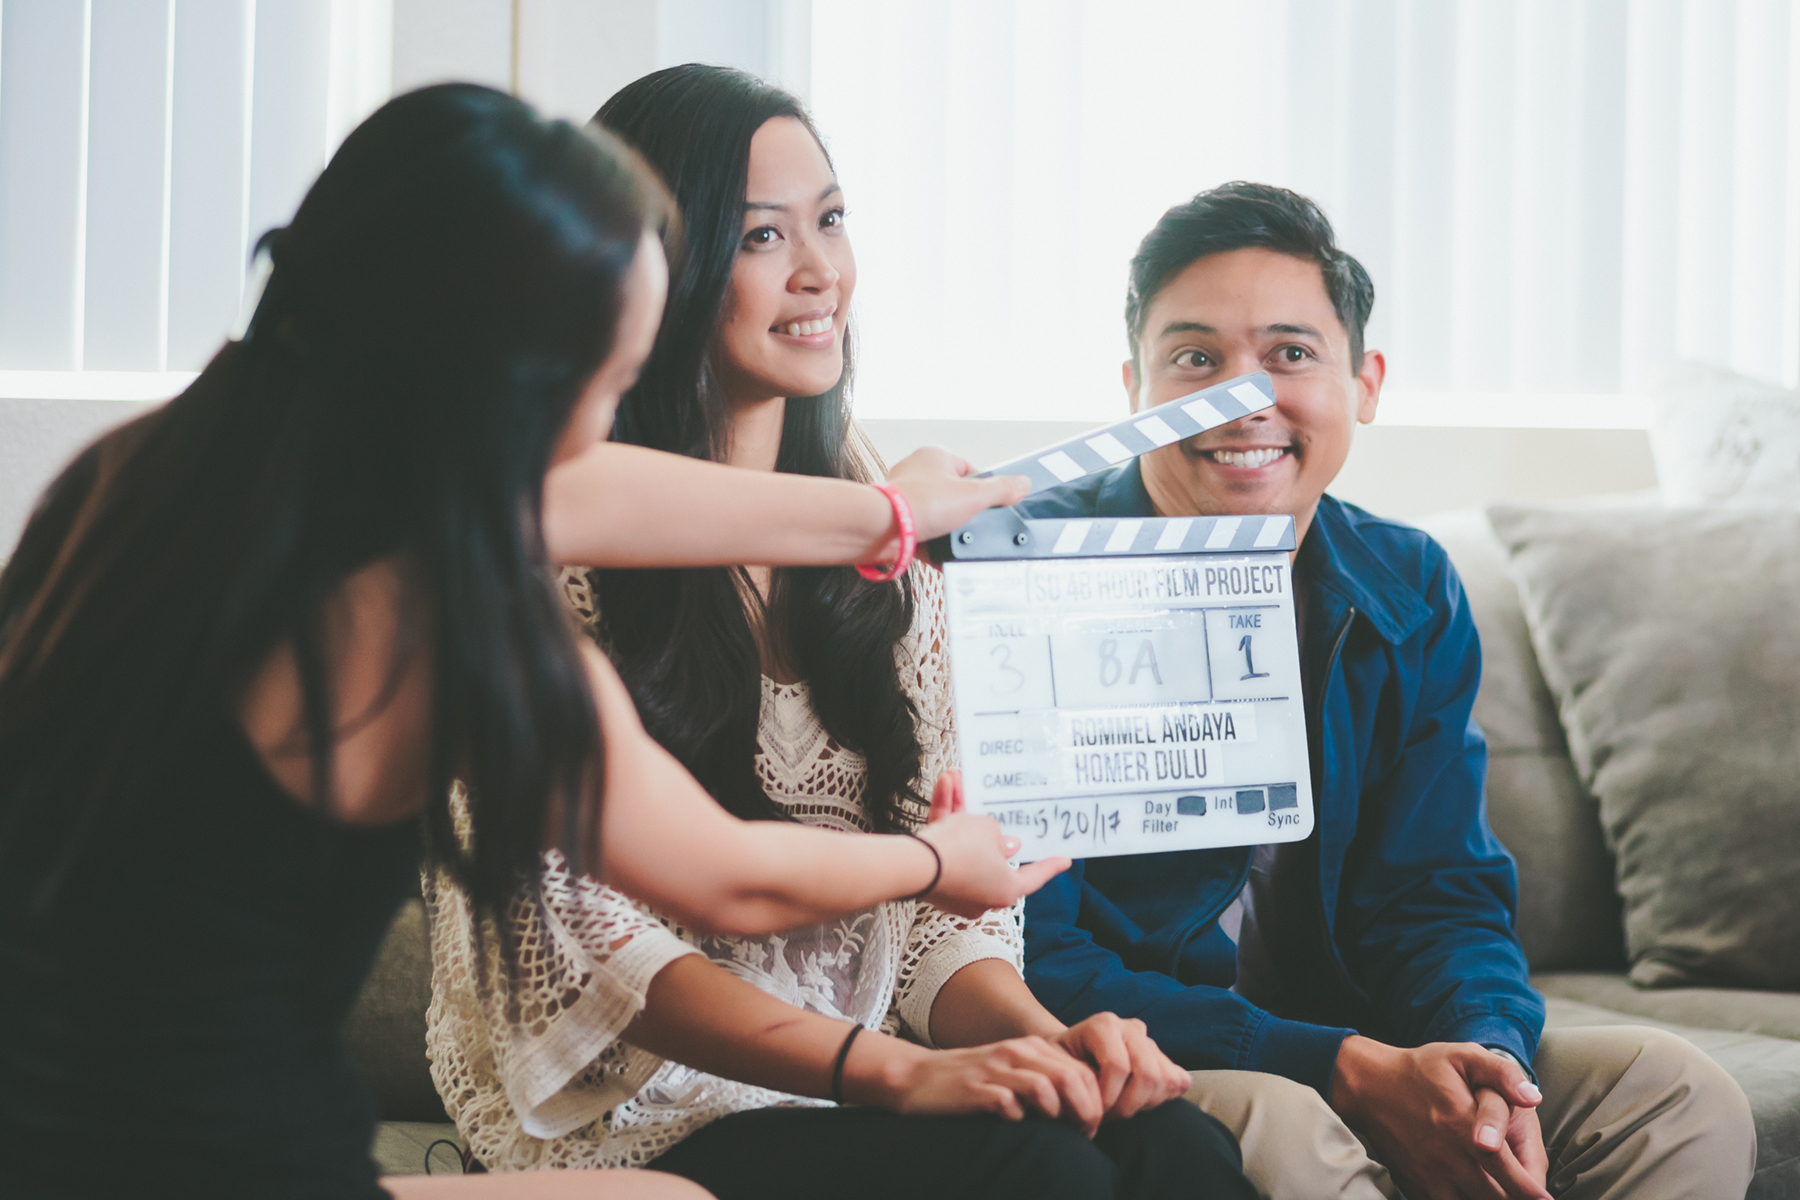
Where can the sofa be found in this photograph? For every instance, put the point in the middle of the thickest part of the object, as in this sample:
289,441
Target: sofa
1569,914
1569,909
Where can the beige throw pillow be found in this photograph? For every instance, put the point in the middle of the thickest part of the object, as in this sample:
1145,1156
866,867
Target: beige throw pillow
1671,640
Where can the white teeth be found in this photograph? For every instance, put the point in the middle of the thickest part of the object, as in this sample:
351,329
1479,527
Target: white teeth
1247,458
806,328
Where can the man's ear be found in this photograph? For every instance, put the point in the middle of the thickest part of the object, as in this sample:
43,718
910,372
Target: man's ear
1368,385
1129,370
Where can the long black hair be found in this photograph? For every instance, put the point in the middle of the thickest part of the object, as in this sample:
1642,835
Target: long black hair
443,294
682,639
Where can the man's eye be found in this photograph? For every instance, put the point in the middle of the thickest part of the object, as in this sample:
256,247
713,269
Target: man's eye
1193,358
762,235
1292,354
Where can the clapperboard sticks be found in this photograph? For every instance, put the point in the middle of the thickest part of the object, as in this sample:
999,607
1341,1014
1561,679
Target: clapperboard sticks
1004,533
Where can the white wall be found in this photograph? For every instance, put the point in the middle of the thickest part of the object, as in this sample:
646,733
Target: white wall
37,438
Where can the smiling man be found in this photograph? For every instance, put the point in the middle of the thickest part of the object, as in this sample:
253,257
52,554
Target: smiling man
1355,1004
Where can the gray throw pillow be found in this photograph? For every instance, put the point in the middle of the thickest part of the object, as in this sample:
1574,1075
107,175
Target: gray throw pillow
1671,640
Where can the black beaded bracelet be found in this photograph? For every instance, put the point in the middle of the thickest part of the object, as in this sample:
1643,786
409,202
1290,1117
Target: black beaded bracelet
936,876
837,1068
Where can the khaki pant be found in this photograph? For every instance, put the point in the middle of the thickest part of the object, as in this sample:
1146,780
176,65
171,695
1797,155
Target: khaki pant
1628,1111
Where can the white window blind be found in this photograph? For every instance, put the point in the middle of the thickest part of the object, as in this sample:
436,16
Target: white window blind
1556,198
144,146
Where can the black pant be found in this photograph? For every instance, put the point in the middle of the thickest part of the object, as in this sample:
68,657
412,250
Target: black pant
870,1153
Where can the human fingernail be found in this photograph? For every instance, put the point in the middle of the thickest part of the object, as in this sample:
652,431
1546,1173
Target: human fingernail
1487,1137
1528,1091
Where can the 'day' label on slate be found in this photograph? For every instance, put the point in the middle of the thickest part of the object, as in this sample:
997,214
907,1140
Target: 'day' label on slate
1126,706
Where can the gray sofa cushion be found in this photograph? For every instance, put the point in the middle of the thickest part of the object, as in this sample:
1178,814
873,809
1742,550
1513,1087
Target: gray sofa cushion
1731,1010
1672,642
385,1032
1568,910
1768,1069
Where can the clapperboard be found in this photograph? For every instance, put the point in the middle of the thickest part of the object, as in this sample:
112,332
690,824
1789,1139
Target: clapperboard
1124,686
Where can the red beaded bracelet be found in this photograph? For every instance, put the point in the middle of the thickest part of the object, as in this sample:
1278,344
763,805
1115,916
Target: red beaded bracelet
909,539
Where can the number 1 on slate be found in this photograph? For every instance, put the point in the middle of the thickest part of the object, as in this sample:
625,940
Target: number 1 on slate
1250,671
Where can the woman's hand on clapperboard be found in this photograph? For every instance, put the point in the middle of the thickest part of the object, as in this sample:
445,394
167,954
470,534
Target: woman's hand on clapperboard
944,493
974,849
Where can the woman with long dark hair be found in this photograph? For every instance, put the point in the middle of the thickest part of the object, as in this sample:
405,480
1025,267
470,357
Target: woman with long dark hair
797,695
248,639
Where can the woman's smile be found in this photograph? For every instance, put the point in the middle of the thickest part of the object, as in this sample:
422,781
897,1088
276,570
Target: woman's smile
815,328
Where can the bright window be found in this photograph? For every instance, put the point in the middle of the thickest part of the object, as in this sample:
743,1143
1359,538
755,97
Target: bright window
1555,197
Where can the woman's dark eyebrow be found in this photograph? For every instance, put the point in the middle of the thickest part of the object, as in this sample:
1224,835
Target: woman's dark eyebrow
761,205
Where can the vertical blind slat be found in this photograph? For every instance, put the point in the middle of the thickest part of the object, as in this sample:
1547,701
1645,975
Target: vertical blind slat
1418,298
1480,273
206,210
1596,264
289,107
1651,217
1760,201
42,47
129,62
1707,147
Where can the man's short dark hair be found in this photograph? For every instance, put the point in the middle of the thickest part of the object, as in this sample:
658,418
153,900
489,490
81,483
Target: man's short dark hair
1234,216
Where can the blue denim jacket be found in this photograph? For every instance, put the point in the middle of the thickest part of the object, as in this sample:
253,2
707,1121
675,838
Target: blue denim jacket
1405,899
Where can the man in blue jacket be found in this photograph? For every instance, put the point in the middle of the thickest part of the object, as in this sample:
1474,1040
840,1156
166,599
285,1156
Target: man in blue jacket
1374,963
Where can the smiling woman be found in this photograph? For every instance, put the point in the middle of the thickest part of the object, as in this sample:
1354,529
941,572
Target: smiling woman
742,373
779,334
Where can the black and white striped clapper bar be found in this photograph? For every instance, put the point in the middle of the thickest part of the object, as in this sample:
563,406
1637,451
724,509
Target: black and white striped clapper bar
1129,685
1004,533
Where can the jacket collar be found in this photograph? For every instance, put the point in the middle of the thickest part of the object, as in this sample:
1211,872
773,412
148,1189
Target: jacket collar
1337,558
1335,555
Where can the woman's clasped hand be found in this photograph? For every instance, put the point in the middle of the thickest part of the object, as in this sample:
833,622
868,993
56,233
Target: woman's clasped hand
1104,1068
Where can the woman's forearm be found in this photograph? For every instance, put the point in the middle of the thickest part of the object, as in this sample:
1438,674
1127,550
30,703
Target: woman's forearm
699,1014
616,505
986,1001
682,854
666,842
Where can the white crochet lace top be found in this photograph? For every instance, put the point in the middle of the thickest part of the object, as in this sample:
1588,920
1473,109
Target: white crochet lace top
558,1087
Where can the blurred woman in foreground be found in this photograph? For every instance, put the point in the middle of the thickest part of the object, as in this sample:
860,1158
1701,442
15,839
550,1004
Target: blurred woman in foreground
250,639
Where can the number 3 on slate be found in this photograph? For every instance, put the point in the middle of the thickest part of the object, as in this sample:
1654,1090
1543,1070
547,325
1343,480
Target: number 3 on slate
1250,671
1004,665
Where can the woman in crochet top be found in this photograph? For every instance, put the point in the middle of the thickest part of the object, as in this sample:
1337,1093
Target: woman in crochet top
794,694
